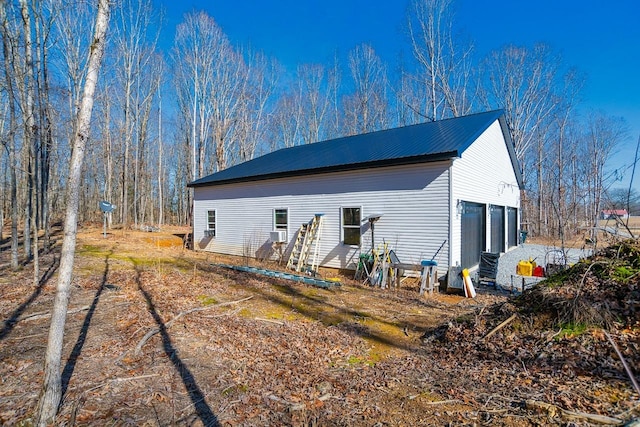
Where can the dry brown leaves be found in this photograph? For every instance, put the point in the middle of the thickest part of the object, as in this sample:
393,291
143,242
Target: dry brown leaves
295,355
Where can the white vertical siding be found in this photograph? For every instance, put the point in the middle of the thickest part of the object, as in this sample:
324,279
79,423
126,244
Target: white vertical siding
413,199
483,174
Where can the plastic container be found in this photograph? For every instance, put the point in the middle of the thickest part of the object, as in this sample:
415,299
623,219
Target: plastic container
538,271
525,268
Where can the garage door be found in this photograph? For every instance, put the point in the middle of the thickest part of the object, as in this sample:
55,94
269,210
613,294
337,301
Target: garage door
512,218
473,235
497,228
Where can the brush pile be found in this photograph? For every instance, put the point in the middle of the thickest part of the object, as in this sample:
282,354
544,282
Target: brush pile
565,342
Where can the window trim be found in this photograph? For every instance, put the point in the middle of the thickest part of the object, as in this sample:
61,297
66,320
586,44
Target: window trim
275,225
208,230
358,226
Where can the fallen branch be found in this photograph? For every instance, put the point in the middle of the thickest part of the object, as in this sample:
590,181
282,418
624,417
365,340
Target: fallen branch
624,363
443,402
139,377
277,322
122,356
27,336
226,313
553,410
117,380
167,325
500,326
43,315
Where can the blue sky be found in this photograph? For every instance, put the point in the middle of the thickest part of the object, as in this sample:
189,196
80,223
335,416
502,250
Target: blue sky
601,39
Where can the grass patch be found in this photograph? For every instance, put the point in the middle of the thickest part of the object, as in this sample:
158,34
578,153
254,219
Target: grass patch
623,272
92,250
557,279
569,330
207,300
355,360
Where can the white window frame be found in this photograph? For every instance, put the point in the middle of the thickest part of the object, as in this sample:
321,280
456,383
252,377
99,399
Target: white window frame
212,232
358,226
281,227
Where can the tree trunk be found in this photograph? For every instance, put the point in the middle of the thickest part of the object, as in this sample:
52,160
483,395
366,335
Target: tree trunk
108,156
51,393
31,141
46,132
124,204
8,51
160,195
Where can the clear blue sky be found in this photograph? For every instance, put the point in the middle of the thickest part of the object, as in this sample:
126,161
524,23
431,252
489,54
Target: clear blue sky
601,39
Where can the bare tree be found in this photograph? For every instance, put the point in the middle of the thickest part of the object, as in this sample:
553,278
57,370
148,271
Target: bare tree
211,77
334,76
30,137
522,81
230,82
135,46
161,218
602,135
556,195
301,114
196,40
287,122
367,108
51,393
253,120
314,100
44,30
9,54
526,84
444,76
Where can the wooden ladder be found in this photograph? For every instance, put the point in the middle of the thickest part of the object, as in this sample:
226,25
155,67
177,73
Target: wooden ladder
307,245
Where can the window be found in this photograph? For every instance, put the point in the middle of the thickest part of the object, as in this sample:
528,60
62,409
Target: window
281,219
211,223
351,218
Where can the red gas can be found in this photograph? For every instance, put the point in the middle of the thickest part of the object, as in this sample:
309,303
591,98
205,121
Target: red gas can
538,271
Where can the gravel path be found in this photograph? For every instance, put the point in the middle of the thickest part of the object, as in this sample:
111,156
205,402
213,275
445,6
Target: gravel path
508,262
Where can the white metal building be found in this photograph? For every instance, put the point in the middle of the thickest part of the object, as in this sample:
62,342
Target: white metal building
446,190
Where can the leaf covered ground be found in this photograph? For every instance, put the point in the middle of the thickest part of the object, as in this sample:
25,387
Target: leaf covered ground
156,335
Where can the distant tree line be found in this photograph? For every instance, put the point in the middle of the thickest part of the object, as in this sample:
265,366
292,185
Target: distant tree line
164,117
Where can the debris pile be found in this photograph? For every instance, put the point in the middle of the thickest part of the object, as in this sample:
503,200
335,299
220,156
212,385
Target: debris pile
580,325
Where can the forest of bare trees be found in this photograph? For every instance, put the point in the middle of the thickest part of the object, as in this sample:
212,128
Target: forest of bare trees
166,115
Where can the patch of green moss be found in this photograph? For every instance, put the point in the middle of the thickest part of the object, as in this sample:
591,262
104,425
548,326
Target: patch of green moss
207,300
557,279
355,360
569,330
92,250
623,272
245,312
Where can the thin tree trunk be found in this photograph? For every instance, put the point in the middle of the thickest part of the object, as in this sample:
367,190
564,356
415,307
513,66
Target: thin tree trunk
31,140
51,393
160,195
46,137
125,163
109,162
9,53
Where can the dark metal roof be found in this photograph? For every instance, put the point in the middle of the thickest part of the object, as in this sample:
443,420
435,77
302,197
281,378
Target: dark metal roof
433,141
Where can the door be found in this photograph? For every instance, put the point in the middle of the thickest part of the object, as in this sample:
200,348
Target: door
512,222
473,233
497,228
